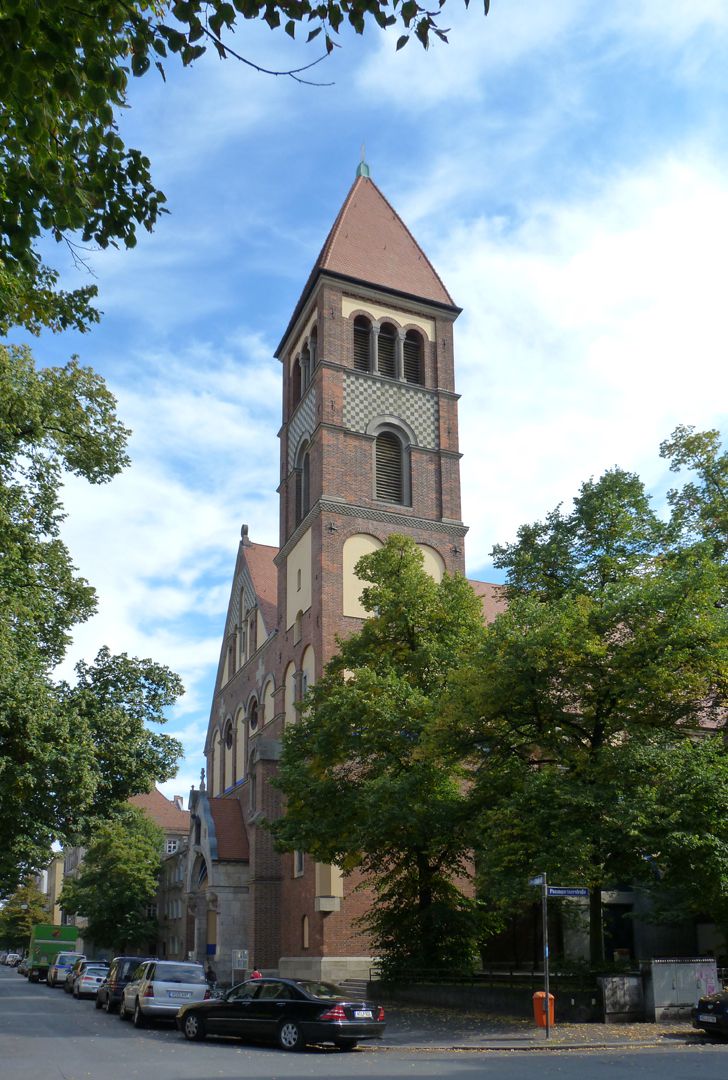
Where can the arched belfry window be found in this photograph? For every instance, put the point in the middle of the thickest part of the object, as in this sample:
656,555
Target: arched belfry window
362,338
305,367
412,357
391,465
296,383
303,484
387,351
313,343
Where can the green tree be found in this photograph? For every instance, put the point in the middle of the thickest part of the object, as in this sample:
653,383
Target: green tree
363,788
19,914
64,169
614,641
68,751
117,884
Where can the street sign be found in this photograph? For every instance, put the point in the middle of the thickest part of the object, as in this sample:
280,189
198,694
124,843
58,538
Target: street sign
556,890
240,959
536,880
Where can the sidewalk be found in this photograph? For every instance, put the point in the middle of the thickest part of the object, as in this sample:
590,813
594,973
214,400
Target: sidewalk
438,1029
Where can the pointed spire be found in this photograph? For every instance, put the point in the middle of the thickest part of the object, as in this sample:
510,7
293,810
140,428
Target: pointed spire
362,167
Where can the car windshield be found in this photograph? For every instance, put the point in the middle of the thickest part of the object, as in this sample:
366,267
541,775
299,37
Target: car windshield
322,989
179,973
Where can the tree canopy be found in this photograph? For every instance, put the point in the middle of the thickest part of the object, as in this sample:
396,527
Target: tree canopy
68,751
19,914
116,887
65,171
610,660
362,788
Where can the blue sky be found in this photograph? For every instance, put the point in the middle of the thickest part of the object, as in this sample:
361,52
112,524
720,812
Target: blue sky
563,166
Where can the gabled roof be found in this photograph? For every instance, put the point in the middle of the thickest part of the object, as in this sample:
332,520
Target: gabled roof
230,832
264,575
163,812
370,244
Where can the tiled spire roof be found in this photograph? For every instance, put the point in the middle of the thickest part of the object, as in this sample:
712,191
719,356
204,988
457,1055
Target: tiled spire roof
369,243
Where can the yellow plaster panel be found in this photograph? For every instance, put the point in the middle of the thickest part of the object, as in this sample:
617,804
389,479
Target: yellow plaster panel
434,563
261,631
240,745
299,559
356,546
376,311
308,666
269,708
329,880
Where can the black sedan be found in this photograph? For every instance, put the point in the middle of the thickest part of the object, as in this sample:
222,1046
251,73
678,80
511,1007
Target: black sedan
711,1013
291,1012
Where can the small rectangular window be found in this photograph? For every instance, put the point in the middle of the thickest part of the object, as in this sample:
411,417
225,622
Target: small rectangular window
298,863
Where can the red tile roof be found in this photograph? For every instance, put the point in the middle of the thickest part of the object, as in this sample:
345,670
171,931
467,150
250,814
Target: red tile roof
163,812
264,574
492,598
230,832
371,244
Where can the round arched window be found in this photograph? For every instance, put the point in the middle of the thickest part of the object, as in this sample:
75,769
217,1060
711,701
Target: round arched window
229,737
253,714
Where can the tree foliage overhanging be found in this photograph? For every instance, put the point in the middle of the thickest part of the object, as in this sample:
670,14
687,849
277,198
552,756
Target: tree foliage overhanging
116,887
363,788
582,733
68,751
64,168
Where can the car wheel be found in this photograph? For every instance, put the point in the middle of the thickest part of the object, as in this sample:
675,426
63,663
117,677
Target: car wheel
123,1014
108,1006
289,1036
193,1027
97,1002
345,1044
138,1015
49,982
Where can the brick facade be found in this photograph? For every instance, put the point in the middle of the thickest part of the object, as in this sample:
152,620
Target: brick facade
291,923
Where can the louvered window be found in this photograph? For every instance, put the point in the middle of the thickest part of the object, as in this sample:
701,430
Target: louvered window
362,337
302,489
385,355
412,357
389,467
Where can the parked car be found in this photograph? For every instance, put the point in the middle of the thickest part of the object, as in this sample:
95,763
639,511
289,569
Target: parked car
711,1013
12,959
159,987
120,973
291,1012
88,978
61,966
22,968
72,973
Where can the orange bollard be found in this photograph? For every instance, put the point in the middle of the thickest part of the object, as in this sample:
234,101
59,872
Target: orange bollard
539,1012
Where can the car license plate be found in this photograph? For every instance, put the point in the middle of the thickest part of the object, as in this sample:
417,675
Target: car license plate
362,1014
706,1019
180,993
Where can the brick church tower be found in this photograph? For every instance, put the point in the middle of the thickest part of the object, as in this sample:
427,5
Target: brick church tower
369,446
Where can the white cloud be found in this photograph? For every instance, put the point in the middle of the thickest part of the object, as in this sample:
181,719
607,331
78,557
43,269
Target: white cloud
589,331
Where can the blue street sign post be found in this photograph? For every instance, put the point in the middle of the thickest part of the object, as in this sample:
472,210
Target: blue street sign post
558,892
545,917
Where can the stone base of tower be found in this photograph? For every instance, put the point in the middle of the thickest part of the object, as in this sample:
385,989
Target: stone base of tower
333,969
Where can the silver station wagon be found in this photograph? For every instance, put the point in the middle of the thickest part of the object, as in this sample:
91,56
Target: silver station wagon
159,987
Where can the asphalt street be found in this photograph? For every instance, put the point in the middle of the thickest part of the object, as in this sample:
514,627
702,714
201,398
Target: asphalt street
47,1035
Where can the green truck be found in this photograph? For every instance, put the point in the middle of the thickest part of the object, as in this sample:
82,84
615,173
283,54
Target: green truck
46,941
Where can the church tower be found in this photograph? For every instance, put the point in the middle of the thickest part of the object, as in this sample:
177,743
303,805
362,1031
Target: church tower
368,447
